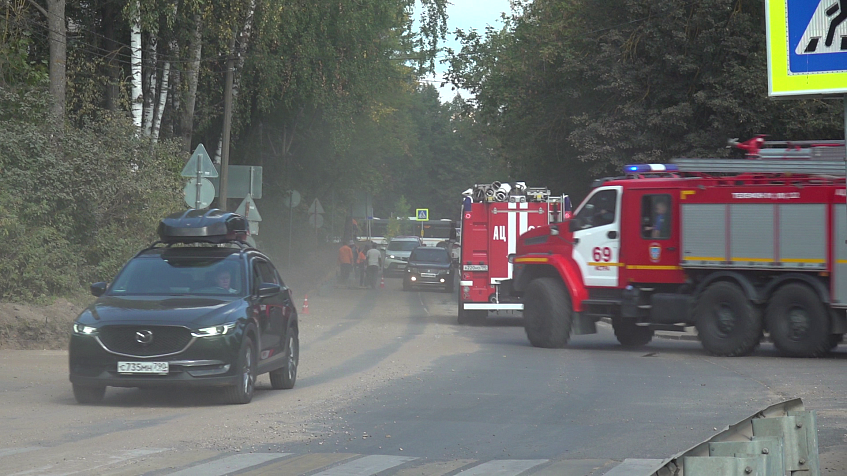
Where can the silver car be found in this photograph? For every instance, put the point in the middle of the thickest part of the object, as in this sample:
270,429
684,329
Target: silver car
397,253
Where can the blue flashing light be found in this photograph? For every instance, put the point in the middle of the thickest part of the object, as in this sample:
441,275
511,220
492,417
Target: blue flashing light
650,168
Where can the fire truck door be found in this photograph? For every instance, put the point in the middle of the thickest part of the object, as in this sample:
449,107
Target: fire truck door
597,237
651,250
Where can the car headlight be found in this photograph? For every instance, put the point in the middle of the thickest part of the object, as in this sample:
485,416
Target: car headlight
82,329
220,330
391,256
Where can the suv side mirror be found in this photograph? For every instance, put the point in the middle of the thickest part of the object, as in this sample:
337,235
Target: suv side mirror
268,289
98,289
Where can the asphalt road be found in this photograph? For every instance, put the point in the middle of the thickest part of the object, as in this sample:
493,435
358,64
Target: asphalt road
389,384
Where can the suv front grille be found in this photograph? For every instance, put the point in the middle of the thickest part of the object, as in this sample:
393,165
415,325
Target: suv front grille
165,340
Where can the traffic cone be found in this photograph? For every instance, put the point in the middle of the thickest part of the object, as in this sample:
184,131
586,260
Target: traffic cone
381,282
306,305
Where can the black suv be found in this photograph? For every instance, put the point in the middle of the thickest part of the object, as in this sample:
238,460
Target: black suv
197,309
429,267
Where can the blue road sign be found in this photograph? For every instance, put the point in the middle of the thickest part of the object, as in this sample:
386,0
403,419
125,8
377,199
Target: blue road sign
422,214
807,47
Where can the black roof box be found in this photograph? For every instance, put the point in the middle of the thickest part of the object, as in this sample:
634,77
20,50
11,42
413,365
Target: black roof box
203,226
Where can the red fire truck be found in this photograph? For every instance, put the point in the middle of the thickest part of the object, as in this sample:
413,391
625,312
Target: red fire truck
735,247
493,216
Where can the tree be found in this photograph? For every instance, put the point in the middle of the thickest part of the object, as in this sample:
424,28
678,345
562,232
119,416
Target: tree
57,38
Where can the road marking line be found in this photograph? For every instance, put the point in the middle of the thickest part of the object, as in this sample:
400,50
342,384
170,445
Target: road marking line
435,468
14,451
230,464
503,467
420,298
303,464
83,465
366,466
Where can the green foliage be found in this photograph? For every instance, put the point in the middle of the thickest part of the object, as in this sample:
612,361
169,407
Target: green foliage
17,65
71,219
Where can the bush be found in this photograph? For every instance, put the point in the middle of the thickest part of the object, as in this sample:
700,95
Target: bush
73,210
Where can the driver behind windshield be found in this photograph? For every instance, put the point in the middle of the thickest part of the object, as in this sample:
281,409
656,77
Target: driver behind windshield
223,279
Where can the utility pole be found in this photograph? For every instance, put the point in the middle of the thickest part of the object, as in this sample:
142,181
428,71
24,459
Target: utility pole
227,127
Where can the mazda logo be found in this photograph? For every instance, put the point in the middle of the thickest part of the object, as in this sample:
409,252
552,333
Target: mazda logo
144,337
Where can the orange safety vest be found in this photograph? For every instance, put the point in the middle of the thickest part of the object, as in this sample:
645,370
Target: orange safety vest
345,255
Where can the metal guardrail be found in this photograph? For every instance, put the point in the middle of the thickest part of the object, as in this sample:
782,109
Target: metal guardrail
780,440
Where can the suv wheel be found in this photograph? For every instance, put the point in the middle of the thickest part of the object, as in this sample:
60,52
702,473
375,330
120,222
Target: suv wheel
285,377
243,391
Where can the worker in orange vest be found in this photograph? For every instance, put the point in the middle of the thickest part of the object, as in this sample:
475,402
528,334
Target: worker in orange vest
360,265
345,262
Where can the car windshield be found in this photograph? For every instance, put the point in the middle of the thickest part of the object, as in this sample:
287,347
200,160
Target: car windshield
168,275
402,245
430,255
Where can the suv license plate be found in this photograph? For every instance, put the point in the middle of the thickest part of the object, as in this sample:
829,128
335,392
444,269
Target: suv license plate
475,267
142,367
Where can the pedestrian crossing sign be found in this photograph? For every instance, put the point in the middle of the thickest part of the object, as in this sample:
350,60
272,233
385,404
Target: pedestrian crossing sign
422,214
807,47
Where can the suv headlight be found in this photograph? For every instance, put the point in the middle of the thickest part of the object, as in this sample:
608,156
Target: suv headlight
391,256
220,330
82,329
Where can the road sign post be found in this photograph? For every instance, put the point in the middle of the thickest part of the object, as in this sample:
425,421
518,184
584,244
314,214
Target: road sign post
316,218
200,168
247,208
291,200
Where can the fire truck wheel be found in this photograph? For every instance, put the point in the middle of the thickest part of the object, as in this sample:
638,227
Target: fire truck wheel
728,323
631,335
798,322
547,313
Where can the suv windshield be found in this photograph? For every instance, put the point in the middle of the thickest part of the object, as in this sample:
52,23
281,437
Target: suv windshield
180,275
402,245
430,255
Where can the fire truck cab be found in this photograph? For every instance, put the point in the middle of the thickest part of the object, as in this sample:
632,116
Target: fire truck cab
735,247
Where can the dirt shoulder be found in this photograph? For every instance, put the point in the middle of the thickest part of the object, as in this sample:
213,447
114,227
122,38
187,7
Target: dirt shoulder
47,327
29,326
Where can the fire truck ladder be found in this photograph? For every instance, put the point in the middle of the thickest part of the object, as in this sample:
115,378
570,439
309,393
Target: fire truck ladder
775,157
737,166
805,158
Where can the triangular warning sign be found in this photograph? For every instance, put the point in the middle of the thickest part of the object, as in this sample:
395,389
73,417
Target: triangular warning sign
826,31
316,207
200,158
248,209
